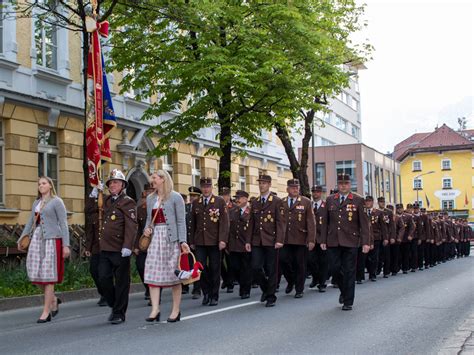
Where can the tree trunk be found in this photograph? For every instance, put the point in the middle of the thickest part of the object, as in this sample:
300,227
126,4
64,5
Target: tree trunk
225,144
308,132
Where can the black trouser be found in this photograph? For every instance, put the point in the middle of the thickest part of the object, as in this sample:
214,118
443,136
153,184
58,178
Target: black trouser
114,279
360,264
140,263
373,259
94,270
318,265
414,254
428,254
386,258
394,257
240,269
210,258
225,266
421,254
293,265
405,253
265,269
467,248
343,262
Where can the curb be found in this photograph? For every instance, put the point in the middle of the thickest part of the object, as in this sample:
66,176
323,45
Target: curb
462,341
7,304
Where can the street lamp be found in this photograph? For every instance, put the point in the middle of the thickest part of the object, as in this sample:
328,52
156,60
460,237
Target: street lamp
418,176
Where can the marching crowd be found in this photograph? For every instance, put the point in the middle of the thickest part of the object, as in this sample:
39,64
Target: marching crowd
250,242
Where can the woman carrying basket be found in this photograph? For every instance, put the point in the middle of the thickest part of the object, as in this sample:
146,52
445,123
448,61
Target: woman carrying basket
166,225
46,236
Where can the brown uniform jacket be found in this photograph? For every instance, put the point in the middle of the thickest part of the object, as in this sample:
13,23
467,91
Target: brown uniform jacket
426,226
141,219
400,228
209,224
92,231
409,227
348,224
239,229
389,221
321,215
120,223
419,232
267,222
378,225
300,223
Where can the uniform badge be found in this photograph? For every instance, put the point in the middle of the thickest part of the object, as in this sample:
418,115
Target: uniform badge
320,220
350,214
113,217
300,217
350,219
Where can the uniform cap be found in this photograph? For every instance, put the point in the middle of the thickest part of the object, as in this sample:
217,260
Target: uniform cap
266,178
205,181
343,178
193,190
241,193
293,183
317,188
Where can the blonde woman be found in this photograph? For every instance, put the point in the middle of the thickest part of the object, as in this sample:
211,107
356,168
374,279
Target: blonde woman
167,225
49,246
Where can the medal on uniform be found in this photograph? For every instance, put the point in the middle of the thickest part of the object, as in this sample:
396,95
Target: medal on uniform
299,217
350,214
271,219
350,218
113,217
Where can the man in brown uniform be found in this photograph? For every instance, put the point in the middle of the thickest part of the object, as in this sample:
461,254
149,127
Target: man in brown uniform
194,193
300,236
318,260
225,263
209,236
395,247
384,256
93,244
407,237
379,233
420,233
116,243
424,258
348,227
239,258
267,227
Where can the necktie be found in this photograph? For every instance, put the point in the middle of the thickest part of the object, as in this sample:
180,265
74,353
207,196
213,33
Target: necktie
241,211
205,202
263,200
369,212
342,200
291,202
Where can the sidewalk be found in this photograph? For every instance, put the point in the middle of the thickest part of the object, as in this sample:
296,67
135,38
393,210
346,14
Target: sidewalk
462,341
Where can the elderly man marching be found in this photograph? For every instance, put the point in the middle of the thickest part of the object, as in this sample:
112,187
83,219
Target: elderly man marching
300,236
116,243
348,227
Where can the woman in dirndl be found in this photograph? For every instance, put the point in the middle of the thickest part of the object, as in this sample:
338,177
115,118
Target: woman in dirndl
166,223
49,245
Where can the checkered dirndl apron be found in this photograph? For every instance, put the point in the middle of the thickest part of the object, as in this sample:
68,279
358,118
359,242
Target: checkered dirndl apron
162,259
42,259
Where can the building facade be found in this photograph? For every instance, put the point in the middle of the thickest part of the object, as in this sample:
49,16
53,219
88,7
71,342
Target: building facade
41,128
437,170
372,173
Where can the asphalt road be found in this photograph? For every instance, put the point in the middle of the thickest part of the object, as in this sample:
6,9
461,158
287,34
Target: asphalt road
411,313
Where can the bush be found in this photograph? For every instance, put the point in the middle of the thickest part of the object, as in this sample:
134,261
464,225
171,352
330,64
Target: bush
14,280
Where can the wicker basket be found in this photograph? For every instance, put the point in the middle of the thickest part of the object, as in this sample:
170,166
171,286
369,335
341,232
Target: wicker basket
183,264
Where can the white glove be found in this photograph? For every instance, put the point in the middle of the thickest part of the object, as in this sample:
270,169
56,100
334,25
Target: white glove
94,193
126,252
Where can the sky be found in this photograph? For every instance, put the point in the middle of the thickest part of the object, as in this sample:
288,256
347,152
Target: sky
422,72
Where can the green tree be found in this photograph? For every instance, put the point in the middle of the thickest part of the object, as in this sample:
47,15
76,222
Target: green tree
241,66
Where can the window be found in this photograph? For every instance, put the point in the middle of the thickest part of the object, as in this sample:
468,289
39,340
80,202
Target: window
420,203
355,131
347,167
320,141
196,171
377,181
243,177
320,171
447,183
340,123
1,161
168,163
367,171
447,204
417,184
46,44
416,165
446,164
48,154
354,104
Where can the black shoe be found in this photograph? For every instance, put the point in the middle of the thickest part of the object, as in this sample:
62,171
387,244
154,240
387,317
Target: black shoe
288,289
359,282
102,302
405,272
385,276
55,313
313,284
153,319
413,270
341,299
321,289
196,295
420,268
41,321
223,286
174,320
347,308
263,297
205,300
245,296
394,273
213,302
373,279
111,316
270,303
299,295
117,320
230,289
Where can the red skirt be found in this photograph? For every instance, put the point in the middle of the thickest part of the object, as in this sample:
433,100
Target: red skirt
59,264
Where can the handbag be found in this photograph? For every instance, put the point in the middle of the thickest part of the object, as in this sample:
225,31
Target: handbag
25,241
145,241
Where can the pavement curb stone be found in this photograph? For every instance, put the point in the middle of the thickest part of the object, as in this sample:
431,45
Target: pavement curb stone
462,341
11,303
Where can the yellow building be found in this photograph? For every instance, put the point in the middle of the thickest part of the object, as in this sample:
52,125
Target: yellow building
438,168
41,128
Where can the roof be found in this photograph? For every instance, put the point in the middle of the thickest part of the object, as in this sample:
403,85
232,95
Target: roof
442,138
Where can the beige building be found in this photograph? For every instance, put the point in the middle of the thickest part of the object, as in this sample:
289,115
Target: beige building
41,128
